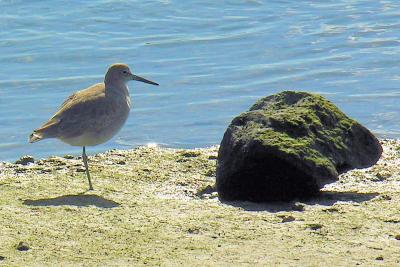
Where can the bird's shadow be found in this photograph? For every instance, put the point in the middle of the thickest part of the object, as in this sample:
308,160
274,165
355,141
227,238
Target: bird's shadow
79,200
326,198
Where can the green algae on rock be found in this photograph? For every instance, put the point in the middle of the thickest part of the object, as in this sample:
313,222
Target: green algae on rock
290,145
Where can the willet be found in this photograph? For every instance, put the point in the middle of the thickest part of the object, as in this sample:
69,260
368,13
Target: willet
93,115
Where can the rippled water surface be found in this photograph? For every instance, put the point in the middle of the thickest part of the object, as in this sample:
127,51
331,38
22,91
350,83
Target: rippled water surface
213,59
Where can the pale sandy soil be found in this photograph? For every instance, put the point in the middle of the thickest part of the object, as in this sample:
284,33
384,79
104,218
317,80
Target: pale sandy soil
148,209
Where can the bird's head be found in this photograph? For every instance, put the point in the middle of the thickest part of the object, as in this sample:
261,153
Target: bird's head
120,72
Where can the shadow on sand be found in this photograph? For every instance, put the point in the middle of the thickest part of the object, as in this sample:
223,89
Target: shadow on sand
80,200
324,198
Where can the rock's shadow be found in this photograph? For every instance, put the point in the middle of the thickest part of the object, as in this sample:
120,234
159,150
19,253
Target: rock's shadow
326,198
329,198
80,200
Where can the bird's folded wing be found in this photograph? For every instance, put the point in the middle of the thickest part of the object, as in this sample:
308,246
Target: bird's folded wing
76,113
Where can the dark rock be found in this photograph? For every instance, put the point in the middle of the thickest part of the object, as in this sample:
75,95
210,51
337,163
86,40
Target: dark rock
23,246
2,258
380,258
288,146
24,160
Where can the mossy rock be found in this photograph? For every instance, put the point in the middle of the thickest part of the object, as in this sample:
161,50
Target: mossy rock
289,145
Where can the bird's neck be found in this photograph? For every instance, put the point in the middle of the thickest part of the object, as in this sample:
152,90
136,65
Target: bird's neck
110,78
116,88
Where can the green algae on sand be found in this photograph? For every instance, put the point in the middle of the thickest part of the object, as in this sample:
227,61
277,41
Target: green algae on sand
161,218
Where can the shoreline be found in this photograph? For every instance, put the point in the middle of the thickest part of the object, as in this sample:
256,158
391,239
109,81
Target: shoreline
156,206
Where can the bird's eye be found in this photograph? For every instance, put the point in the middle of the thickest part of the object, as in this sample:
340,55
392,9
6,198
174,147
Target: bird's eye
125,71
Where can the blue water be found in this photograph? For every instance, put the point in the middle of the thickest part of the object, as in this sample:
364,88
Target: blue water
213,59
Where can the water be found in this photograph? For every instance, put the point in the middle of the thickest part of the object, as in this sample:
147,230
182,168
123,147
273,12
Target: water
213,60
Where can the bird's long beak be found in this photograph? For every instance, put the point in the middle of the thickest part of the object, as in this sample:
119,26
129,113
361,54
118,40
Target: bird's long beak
140,79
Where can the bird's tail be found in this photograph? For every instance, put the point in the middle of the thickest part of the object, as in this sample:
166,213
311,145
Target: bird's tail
35,136
48,130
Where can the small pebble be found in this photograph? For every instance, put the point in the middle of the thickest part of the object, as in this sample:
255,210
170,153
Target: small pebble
45,170
190,154
210,173
314,226
385,197
331,210
287,218
68,156
23,246
214,194
2,258
205,190
298,207
121,162
24,160
380,258
208,189
81,169
193,231
397,237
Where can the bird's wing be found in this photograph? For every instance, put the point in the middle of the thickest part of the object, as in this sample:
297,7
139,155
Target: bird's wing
74,114
79,98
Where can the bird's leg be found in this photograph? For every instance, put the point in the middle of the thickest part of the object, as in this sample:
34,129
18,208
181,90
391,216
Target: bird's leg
84,157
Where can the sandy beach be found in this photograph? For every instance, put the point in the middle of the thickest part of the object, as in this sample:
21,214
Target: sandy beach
157,206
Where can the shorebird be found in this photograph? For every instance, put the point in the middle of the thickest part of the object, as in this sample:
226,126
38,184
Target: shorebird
93,115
